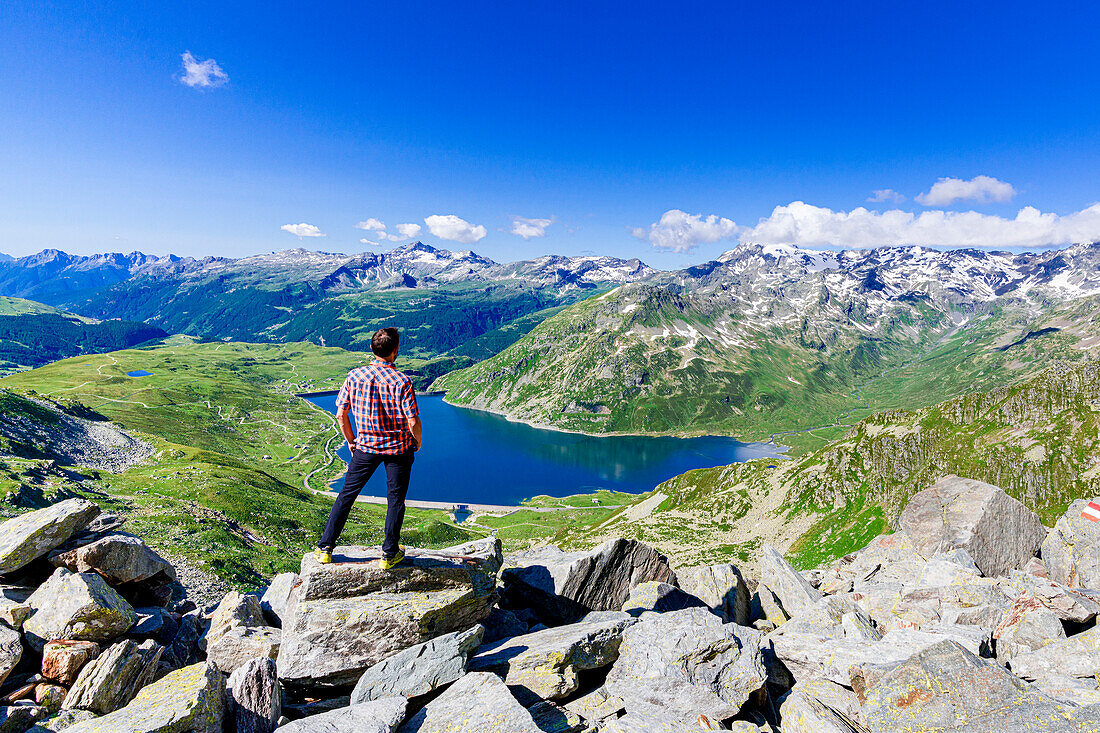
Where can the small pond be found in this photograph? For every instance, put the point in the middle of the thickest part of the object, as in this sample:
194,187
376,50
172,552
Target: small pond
139,373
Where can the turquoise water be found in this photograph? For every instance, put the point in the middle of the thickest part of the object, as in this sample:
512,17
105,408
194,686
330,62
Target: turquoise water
139,373
480,458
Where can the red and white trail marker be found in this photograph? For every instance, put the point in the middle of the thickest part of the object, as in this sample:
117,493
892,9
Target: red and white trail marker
1092,512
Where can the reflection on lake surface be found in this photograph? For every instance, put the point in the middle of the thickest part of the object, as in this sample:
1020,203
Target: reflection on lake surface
480,458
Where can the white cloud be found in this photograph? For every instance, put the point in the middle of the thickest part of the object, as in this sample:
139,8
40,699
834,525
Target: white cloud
408,231
302,230
371,225
885,194
982,189
454,228
682,232
804,225
369,243
202,74
528,228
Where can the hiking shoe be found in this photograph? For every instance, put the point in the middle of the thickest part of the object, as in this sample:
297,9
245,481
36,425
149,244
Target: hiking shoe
389,563
322,555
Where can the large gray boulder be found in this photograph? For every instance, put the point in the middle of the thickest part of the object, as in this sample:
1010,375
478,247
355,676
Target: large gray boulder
419,669
377,716
1071,552
119,558
253,700
659,598
480,701
189,700
241,644
722,587
561,587
77,606
547,664
793,590
999,532
275,597
687,663
11,651
820,706
1079,605
114,678
234,611
344,617
29,536
946,688
1028,625
1077,656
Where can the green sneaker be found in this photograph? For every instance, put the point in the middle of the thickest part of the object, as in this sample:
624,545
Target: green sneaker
322,556
389,563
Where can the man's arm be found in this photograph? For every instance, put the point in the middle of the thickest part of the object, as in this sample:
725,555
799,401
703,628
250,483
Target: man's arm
417,431
343,419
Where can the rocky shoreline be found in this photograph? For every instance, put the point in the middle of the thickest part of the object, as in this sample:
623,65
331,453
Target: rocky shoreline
972,617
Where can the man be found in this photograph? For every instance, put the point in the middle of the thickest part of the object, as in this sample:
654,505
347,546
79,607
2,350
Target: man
387,432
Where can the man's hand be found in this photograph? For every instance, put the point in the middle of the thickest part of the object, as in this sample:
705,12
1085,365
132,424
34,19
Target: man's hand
417,431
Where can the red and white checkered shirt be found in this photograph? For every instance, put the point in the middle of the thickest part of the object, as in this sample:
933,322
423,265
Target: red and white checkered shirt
383,402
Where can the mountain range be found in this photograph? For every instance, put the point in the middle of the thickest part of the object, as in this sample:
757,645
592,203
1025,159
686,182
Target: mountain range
774,338
443,299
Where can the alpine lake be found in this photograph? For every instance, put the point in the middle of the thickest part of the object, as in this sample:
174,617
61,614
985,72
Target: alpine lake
475,457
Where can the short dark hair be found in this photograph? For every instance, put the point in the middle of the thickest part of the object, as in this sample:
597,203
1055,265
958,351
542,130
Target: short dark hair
385,341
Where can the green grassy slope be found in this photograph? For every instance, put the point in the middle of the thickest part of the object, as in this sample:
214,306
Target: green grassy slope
1039,439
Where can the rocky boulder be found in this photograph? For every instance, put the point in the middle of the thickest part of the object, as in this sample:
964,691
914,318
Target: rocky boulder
1077,656
29,536
420,669
275,597
252,697
945,687
1000,533
547,664
1071,552
235,611
11,651
189,700
119,558
687,663
346,616
820,706
564,586
659,598
63,659
478,702
794,592
77,606
721,587
241,644
1028,625
110,681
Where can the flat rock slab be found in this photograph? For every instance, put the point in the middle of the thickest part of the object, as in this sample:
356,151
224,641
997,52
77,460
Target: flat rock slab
419,669
794,592
234,611
189,700
999,532
29,536
119,558
562,587
1071,552
344,617
11,651
77,606
686,663
480,701
275,597
659,598
820,706
378,716
63,659
946,688
547,664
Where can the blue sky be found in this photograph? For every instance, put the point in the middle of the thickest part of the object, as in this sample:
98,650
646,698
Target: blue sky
663,131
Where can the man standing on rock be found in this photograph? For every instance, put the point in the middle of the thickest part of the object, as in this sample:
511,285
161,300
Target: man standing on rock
387,431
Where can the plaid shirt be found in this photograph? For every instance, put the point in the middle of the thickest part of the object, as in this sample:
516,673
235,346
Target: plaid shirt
383,402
